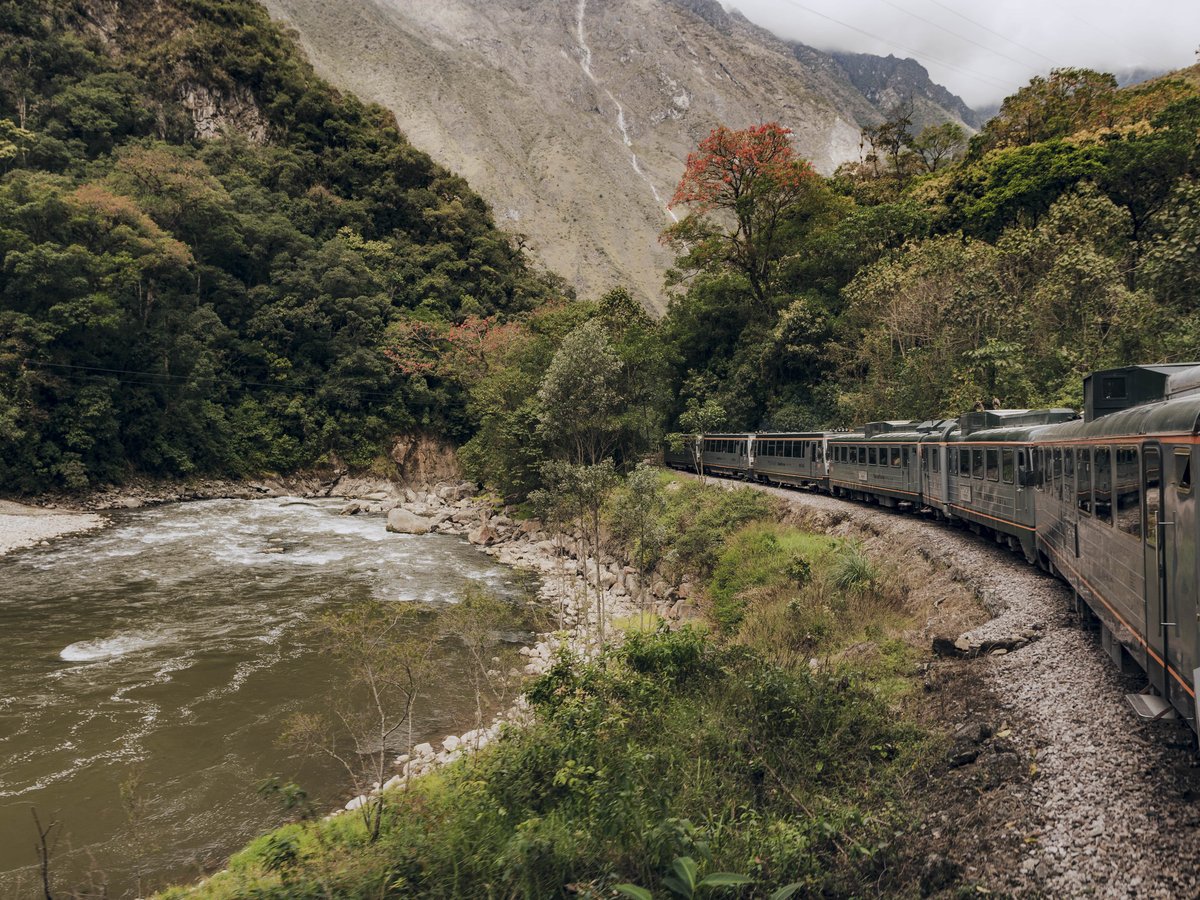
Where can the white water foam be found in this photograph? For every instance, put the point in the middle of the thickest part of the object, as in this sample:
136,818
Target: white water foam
110,647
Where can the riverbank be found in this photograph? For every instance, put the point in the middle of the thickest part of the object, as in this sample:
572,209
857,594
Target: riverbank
27,526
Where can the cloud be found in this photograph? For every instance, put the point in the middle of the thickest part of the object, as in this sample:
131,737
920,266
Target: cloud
985,51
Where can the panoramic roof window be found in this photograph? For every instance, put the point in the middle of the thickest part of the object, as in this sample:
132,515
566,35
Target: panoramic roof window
1113,389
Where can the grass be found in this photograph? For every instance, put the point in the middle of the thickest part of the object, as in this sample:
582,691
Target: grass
670,746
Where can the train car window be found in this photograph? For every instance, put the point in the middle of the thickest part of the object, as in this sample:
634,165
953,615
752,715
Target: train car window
936,453
1183,471
1039,468
872,459
993,464
1102,485
1113,388
862,456
1006,465
977,463
1056,473
924,451
1151,457
904,456
1083,480
854,455
964,462
1129,492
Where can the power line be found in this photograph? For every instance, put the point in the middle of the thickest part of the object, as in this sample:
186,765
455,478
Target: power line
1002,37
918,53
961,37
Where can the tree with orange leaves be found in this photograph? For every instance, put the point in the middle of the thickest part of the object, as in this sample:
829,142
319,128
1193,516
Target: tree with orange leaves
740,187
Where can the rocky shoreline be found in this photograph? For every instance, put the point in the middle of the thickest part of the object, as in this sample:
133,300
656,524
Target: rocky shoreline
573,585
30,526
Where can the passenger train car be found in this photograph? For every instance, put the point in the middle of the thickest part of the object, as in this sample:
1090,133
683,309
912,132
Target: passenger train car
1106,501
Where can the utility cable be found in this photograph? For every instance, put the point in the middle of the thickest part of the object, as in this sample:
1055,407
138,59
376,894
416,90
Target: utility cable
164,379
993,82
998,34
952,33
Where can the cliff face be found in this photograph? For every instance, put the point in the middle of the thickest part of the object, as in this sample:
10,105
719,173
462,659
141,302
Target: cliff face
887,81
575,118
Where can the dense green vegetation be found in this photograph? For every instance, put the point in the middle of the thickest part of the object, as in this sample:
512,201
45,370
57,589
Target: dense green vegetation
170,304
761,748
937,272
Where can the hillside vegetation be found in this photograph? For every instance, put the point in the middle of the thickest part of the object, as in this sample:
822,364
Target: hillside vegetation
203,246
937,273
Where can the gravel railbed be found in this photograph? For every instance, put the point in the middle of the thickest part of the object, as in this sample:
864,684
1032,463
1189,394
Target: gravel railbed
1112,805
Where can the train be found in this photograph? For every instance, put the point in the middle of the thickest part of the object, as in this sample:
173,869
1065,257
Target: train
1104,499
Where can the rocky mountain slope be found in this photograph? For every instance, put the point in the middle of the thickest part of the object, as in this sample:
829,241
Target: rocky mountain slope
888,81
574,118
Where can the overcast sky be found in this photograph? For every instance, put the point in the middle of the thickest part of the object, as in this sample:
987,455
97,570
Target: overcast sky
983,50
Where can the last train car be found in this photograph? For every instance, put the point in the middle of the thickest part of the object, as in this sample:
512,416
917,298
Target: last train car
1116,512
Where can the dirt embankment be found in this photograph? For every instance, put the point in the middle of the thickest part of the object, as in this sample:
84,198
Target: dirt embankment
1050,785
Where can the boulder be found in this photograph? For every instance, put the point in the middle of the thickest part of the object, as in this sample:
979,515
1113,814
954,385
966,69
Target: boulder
450,743
483,535
402,521
423,750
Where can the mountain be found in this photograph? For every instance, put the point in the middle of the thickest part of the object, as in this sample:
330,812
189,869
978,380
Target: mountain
575,119
888,82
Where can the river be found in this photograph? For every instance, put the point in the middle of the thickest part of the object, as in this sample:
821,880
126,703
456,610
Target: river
147,670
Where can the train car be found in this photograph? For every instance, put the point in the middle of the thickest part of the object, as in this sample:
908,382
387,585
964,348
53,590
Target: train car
990,474
790,458
935,472
727,454
1116,516
878,464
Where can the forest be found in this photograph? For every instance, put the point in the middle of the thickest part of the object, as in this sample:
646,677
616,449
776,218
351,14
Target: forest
213,263
938,271
171,304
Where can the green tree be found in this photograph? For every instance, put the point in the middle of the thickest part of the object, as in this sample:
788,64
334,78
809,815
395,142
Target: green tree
938,145
579,399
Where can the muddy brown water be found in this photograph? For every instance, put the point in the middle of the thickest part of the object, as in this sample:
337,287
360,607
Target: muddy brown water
147,670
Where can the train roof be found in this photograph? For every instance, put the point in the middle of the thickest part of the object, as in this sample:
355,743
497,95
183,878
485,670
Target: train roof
1178,416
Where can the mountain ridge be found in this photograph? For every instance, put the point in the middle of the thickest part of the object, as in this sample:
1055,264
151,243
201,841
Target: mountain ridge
575,120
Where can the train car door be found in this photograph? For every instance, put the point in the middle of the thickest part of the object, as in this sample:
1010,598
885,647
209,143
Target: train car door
1156,537
1178,554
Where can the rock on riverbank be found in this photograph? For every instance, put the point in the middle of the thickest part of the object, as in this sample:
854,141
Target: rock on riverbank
586,595
26,526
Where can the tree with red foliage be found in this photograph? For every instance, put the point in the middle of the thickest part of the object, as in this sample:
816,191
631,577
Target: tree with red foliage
459,352
740,186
